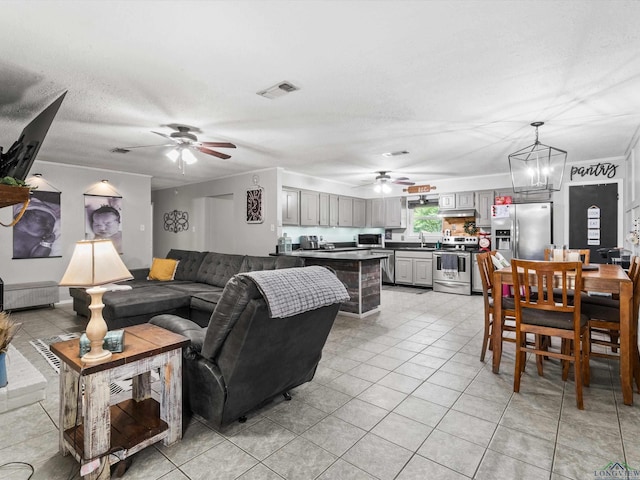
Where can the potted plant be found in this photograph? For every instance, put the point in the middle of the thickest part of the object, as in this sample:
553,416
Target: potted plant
8,329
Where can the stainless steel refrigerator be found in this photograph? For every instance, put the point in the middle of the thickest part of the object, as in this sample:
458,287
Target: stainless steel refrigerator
523,230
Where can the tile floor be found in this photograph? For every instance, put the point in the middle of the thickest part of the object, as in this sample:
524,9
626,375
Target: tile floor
398,395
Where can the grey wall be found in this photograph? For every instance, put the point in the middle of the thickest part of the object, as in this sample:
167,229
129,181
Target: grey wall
73,182
247,238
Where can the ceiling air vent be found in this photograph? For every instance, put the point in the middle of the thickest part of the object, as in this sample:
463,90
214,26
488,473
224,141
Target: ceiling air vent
278,90
395,154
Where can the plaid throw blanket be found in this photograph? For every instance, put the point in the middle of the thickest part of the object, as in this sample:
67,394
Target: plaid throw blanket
289,291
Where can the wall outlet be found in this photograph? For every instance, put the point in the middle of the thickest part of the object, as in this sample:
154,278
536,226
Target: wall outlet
402,238
354,238
142,228
320,237
273,227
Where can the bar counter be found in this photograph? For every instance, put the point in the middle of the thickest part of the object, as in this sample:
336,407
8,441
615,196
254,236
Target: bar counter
359,270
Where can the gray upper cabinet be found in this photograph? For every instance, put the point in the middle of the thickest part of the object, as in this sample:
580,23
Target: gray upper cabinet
309,208
290,207
484,200
323,209
345,211
359,212
385,212
393,212
333,210
375,212
457,200
447,200
465,200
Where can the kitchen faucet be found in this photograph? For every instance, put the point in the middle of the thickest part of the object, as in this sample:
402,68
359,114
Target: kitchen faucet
421,237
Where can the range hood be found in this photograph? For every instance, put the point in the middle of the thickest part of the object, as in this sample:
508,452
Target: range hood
467,212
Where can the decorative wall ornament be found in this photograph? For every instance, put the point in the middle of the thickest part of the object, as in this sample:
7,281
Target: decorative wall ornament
37,233
176,221
254,202
600,169
103,219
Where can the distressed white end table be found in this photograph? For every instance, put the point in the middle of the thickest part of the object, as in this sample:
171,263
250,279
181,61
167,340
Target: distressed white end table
99,434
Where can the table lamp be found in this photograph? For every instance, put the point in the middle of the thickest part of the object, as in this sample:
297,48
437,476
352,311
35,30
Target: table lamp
93,264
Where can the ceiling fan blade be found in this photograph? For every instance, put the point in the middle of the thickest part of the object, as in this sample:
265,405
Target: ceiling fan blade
214,153
401,178
165,136
403,182
218,144
145,146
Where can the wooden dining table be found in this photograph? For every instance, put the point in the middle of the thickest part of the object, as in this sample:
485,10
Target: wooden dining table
607,279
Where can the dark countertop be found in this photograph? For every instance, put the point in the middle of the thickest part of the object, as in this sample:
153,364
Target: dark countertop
361,254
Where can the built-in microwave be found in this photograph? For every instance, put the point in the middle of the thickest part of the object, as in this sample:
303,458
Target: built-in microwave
370,240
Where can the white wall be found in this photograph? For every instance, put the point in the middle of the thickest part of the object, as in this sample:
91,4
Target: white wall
632,188
248,238
73,182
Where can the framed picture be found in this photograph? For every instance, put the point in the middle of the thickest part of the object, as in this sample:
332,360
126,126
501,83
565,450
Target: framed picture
103,219
254,205
37,233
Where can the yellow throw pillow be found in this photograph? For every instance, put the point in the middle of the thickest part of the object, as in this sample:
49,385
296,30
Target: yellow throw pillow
163,269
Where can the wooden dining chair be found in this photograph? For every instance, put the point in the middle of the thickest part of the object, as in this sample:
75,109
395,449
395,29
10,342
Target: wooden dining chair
546,314
604,322
486,267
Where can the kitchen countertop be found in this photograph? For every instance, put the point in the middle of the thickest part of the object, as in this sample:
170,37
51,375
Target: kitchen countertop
360,254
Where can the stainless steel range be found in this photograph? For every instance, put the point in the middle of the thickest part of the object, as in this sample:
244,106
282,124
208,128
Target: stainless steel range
452,265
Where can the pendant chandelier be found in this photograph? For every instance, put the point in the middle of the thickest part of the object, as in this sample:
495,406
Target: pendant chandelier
537,167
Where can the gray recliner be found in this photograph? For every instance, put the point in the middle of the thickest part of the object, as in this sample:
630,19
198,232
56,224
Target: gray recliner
244,357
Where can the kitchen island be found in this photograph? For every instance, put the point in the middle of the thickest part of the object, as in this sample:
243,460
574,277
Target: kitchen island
359,270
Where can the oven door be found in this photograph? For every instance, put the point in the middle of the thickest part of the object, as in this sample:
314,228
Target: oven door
452,281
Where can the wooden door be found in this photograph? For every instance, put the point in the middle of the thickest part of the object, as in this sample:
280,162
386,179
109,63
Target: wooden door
581,199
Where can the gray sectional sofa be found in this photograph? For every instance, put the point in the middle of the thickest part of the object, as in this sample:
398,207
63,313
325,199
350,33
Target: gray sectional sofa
197,286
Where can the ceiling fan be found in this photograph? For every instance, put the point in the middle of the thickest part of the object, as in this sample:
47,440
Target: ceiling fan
383,179
184,141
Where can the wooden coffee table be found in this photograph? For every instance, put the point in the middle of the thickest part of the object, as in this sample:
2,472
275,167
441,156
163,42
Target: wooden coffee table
97,433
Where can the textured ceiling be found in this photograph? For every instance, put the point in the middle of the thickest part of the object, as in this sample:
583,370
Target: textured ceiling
455,83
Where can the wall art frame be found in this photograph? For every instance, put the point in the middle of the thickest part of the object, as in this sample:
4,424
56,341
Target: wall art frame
103,218
176,221
255,197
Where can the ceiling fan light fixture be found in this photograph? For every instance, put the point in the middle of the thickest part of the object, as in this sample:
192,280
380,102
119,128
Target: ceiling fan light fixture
537,167
188,157
173,155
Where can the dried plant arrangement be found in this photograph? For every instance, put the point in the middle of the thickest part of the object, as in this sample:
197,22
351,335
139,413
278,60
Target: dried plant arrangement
8,329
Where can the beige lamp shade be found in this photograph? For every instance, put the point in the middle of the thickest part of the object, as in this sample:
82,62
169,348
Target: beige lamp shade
94,262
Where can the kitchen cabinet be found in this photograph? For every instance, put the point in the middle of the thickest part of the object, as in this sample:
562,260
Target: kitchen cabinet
333,210
404,270
456,200
309,208
386,212
359,212
414,268
447,200
465,200
290,207
345,211
375,212
323,209
484,200
393,212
